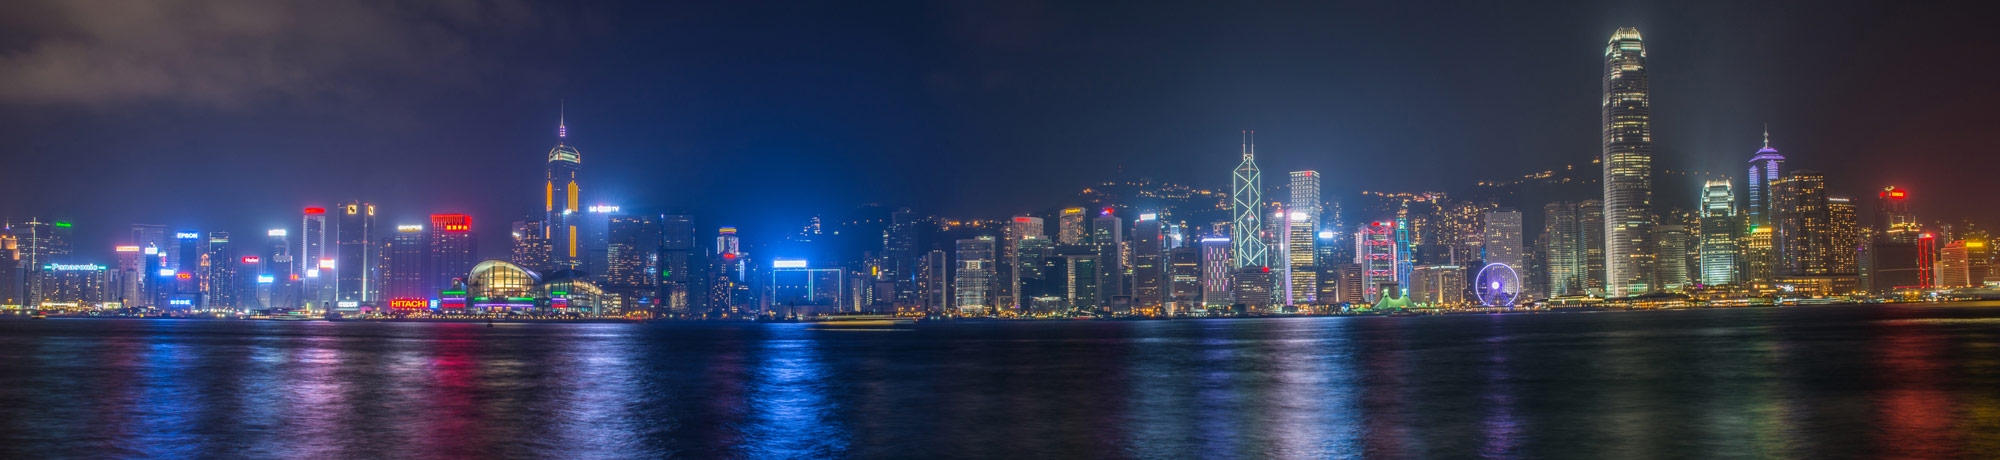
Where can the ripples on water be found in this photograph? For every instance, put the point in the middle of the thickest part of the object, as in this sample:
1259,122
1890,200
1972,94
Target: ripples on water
1815,382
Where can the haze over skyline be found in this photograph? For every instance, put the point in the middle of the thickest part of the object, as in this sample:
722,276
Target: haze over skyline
231,116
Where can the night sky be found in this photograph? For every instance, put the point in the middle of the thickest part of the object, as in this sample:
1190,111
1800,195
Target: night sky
234,115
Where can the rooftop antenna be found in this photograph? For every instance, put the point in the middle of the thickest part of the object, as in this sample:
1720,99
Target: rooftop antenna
562,118
1767,135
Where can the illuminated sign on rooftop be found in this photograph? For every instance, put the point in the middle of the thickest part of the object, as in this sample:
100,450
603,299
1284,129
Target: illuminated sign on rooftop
275,232
251,259
451,222
266,279
603,209
727,230
127,249
62,224
326,264
187,235
788,263
409,228
74,267
315,211
166,272
1149,216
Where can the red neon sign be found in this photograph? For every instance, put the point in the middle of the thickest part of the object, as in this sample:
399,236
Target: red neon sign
251,259
407,303
315,211
452,222
1021,219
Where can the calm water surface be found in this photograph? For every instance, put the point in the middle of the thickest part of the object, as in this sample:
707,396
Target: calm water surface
1812,382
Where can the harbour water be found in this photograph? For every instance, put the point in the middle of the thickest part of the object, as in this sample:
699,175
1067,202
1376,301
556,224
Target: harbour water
1917,381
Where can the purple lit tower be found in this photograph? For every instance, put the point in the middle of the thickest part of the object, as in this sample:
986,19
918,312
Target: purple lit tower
1767,166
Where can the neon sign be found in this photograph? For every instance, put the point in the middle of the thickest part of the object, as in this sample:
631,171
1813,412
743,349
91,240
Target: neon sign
266,279
451,222
275,232
181,302
166,272
184,276
74,267
251,259
347,304
784,263
603,209
315,211
187,235
409,303
326,264
127,249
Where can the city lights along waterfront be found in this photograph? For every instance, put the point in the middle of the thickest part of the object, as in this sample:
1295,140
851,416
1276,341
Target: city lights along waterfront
1006,237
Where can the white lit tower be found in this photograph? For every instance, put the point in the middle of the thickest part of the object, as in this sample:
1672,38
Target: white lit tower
1628,165
1246,207
559,199
1304,211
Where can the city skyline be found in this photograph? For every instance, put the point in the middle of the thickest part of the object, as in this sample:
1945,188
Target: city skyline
441,143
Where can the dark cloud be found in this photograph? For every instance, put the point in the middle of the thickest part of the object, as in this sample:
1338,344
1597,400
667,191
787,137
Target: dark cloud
233,53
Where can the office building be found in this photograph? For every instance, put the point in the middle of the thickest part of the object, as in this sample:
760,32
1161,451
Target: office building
632,261
560,199
1216,264
973,280
1718,252
1502,238
1766,167
1150,281
1802,239
1628,166
407,250
356,251
1070,227
1246,208
220,283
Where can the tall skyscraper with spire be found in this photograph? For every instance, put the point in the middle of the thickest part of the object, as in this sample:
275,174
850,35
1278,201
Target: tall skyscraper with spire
1246,208
1766,167
560,201
1628,166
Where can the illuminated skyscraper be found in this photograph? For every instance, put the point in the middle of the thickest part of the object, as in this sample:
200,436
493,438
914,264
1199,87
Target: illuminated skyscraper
560,202
405,278
1719,254
1894,223
315,287
1926,260
1376,249
679,261
974,277
278,285
899,249
1303,274
1673,251
1503,238
1844,236
1246,208
1962,263
1562,250
1765,168
1149,264
1759,262
452,251
1628,166
220,281
1215,268
1070,228
1803,240
1184,275
632,256
1023,270
530,250
1107,234
356,256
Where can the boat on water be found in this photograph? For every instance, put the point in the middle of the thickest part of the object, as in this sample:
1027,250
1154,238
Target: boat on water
865,321
39,316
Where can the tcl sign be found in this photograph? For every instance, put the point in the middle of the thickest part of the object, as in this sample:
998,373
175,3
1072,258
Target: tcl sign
409,303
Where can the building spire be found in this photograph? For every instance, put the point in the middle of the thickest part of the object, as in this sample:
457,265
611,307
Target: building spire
562,116
1253,142
1246,142
1767,135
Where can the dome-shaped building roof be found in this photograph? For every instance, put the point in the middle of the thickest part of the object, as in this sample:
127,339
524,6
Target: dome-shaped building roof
499,279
